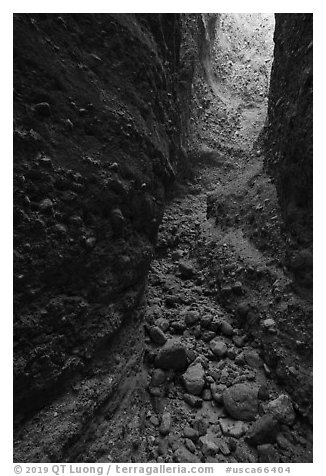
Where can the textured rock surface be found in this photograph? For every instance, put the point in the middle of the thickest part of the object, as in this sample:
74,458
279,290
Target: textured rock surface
289,130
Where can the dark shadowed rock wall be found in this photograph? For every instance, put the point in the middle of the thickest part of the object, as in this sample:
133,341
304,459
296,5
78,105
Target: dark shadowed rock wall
96,138
289,131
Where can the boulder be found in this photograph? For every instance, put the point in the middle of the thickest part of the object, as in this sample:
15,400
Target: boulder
208,447
186,269
241,401
252,359
264,430
218,348
282,409
194,379
190,433
157,335
182,455
173,355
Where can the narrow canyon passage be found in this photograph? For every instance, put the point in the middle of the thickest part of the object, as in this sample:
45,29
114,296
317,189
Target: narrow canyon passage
214,362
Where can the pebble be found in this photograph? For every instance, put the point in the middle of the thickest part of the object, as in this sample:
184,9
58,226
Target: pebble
117,219
158,377
233,428
231,354
165,424
263,393
242,309
207,336
240,359
155,391
239,340
190,433
226,329
162,447
190,445
178,327
217,392
237,288
207,394
193,401
177,255
154,420
224,447
269,324
114,167
46,204
174,442
43,109
191,317
206,321
208,447
201,425
62,229
163,324
283,442
201,359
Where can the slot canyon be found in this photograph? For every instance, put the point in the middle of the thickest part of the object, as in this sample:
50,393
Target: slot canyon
163,237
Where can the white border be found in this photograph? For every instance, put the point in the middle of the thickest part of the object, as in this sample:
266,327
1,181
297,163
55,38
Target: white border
319,178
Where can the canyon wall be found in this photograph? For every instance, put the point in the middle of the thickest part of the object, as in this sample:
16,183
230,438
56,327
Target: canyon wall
289,134
96,139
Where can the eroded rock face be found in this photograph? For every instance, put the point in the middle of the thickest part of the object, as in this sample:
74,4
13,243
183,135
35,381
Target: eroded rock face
96,138
289,130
